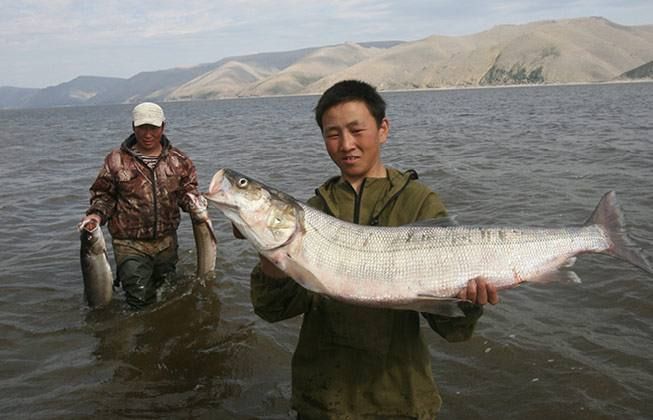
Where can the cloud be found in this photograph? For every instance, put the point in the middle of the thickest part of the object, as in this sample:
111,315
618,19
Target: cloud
84,22
123,37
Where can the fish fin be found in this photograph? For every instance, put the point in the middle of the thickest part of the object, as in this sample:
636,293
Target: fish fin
209,225
569,263
559,276
609,216
303,276
435,305
447,221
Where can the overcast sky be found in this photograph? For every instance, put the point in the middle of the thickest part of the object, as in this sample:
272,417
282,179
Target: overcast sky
47,42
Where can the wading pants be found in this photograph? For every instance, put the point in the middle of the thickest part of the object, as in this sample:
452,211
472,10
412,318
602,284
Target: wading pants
142,267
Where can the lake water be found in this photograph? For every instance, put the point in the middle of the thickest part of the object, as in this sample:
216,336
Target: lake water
537,155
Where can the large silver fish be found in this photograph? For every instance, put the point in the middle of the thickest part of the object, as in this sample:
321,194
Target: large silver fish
206,245
409,267
96,271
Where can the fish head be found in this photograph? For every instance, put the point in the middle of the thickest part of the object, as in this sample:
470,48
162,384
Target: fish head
268,218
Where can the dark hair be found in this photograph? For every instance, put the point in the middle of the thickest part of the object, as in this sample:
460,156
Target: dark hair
347,91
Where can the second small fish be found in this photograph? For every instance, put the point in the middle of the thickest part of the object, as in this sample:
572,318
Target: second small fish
96,271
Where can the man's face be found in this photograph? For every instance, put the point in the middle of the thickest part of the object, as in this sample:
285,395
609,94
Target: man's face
353,140
148,137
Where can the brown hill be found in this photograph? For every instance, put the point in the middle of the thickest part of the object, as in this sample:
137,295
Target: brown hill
311,68
225,81
566,51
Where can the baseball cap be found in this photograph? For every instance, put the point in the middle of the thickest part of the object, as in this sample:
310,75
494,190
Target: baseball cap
148,113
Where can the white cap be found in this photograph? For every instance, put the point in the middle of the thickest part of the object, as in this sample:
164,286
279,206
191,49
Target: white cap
148,113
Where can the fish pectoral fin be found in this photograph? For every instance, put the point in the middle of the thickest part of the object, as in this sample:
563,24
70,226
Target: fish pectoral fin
447,221
560,276
569,262
211,231
435,305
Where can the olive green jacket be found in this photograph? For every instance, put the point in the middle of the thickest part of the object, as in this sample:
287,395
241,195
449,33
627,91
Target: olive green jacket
353,361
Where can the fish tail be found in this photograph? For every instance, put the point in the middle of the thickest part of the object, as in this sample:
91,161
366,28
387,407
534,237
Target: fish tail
609,216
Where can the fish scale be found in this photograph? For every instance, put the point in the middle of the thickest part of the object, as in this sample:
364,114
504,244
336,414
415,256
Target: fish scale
439,260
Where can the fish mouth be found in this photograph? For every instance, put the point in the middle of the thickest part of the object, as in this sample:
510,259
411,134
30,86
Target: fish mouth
223,205
216,192
216,183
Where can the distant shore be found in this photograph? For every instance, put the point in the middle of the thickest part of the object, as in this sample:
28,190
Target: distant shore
431,89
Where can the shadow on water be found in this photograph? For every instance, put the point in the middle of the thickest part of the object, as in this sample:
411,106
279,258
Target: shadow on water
177,359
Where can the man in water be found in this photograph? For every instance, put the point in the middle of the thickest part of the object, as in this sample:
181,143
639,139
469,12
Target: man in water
138,192
354,361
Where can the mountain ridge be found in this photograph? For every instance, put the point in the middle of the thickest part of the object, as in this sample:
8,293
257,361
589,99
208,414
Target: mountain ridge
580,50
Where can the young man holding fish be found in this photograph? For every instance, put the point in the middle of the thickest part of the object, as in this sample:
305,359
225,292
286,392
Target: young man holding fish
355,361
138,192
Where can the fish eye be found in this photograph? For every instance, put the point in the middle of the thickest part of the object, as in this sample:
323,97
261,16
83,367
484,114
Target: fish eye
242,182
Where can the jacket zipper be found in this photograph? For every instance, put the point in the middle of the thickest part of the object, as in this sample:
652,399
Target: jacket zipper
375,219
358,199
156,202
357,202
154,182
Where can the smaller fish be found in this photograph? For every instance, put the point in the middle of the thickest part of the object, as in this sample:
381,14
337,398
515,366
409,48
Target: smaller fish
98,278
205,241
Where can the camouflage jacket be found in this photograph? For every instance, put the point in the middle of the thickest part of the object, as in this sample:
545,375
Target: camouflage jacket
353,361
138,202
